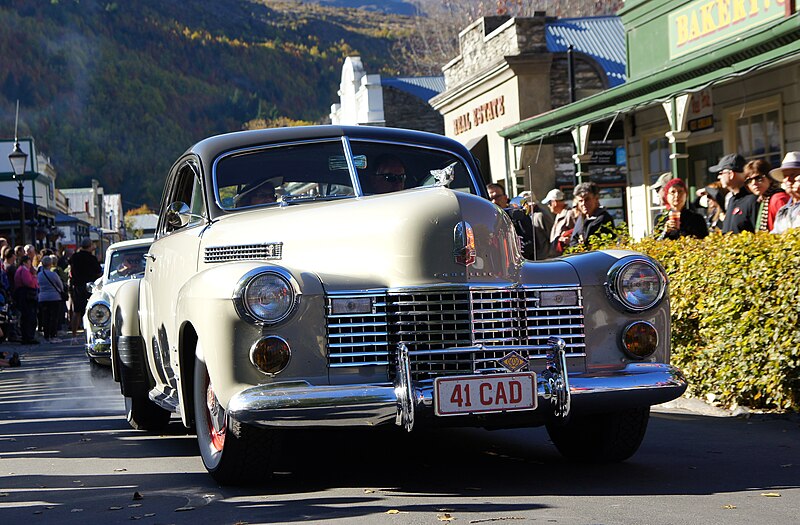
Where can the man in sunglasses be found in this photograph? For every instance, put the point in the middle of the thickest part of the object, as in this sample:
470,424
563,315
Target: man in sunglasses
741,206
389,176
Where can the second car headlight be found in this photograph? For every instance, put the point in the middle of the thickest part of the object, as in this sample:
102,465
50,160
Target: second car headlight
99,314
636,284
266,296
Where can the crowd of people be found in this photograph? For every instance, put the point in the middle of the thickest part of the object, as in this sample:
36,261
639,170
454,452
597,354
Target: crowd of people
747,196
42,292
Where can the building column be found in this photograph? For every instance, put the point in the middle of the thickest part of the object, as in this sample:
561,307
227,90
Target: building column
676,110
580,137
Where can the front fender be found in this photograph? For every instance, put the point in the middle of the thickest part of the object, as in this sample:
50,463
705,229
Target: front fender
604,322
125,309
205,307
128,361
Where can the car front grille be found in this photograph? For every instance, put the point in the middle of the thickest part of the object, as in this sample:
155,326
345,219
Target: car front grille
451,332
244,252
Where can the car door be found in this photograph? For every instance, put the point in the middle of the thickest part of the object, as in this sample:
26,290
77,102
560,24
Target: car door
171,262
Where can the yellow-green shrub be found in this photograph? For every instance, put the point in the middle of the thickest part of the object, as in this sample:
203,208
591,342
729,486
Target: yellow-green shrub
735,314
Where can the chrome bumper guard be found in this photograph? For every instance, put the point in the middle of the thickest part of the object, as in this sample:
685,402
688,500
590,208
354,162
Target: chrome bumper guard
301,404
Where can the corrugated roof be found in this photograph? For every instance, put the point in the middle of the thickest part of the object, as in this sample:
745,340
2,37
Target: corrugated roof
421,87
601,37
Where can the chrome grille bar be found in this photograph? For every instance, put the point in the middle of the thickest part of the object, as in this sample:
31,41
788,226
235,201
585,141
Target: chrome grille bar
451,332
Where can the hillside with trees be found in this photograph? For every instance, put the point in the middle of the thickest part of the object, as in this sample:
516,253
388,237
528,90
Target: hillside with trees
116,90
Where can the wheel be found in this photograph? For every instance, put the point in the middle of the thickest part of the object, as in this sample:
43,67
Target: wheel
601,438
143,414
232,452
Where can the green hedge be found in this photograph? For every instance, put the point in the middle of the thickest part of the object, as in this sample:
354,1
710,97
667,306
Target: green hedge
735,315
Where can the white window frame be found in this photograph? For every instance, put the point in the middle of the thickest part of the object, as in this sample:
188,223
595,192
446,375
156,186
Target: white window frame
748,110
653,207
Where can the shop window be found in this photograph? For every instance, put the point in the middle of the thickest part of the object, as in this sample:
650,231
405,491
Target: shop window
757,131
658,163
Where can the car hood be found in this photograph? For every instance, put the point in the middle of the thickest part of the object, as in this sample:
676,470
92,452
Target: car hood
108,291
396,240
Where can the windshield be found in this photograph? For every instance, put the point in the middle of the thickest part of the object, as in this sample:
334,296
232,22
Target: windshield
126,263
296,173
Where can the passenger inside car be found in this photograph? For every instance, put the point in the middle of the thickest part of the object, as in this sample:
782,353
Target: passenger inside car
389,175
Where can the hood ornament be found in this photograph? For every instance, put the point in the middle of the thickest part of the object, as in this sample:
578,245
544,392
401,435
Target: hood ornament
444,176
464,244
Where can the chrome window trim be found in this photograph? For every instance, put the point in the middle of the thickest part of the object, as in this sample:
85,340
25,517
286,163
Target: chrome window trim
476,186
251,149
612,284
348,153
351,166
241,286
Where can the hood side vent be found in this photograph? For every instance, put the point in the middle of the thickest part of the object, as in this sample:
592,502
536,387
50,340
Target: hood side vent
244,252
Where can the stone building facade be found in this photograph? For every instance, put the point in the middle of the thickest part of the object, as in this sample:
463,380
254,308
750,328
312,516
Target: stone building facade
511,69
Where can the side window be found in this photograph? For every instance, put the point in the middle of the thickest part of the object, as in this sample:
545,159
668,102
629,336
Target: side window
185,187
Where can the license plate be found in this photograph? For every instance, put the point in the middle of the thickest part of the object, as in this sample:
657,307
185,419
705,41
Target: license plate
482,394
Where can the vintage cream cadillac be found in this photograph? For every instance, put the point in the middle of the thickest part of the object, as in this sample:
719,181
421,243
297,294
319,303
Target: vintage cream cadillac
356,276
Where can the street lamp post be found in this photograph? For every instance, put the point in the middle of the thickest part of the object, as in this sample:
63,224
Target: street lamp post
18,159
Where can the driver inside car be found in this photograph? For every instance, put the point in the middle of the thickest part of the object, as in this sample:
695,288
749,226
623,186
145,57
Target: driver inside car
131,265
257,193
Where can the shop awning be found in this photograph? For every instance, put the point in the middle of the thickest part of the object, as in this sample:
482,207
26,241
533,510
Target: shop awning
767,47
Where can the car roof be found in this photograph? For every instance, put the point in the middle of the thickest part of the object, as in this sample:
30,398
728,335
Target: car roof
131,243
213,146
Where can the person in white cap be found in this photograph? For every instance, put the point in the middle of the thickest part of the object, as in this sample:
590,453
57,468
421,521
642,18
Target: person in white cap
789,176
564,219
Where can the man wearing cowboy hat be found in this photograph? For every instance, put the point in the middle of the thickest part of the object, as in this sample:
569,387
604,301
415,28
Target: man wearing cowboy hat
789,176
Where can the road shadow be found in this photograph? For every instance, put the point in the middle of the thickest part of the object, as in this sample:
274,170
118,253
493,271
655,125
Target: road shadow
67,432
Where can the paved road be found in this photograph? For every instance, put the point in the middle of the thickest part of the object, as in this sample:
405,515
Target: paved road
68,456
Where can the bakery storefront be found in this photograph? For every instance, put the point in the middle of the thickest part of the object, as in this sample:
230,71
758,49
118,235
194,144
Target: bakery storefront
705,78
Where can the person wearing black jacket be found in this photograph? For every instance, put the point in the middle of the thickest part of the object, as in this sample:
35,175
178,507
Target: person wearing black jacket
522,223
741,208
678,220
594,219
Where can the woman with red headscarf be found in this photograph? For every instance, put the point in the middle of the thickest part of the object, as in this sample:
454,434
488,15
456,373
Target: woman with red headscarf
678,220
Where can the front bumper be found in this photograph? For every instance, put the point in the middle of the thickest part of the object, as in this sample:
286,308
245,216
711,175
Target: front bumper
98,346
300,404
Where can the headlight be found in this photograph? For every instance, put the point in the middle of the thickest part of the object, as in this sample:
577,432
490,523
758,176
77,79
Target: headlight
266,296
636,284
99,314
640,339
270,354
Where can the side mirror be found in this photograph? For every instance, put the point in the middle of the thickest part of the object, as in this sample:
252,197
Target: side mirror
179,215
96,285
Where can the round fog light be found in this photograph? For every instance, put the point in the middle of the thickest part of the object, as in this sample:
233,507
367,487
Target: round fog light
639,339
270,354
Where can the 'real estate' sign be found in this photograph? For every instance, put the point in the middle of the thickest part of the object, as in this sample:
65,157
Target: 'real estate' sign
491,110
705,22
